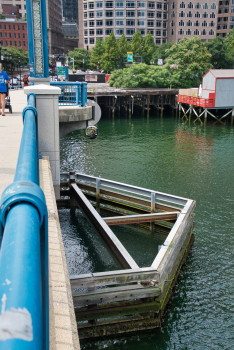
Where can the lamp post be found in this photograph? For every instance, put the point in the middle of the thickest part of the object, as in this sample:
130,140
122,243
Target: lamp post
5,53
10,56
0,51
19,70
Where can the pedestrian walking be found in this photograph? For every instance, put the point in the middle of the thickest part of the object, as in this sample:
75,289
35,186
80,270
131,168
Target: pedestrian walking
4,80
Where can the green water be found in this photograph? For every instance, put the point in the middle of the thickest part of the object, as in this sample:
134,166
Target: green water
170,156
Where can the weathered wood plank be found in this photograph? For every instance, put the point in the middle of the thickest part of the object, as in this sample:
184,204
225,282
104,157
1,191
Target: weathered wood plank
141,275
134,219
108,295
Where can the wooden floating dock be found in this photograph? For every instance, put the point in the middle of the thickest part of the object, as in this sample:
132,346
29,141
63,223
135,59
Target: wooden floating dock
116,99
132,298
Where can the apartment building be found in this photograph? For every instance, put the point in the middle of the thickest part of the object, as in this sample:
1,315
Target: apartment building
21,4
14,34
225,20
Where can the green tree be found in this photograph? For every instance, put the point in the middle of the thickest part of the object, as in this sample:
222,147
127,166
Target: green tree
188,61
137,43
97,53
149,48
111,57
229,44
124,47
16,53
218,50
79,55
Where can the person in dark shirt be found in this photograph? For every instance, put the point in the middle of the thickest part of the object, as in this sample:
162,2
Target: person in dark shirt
4,79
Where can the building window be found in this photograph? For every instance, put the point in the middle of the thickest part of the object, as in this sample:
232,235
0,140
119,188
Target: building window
119,31
109,23
141,14
182,14
13,26
189,32
15,35
164,33
141,23
165,7
141,4
119,23
151,5
173,14
9,27
212,24
172,24
197,15
158,24
190,5
18,27
130,31
225,19
0,34
181,23
205,15
109,4
91,5
158,32
164,15
15,43
85,15
85,33
196,24
4,26
5,35
85,24
130,4
108,31
99,23
18,35
180,32
224,26
182,5
203,32
198,6
211,32
11,43
173,6
189,23
91,23
205,6
119,4
196,32
150,14
204,24
142,31
86,41
189,14
130,23
91,14
85,6
99,14
99,4
150,23
158,41
213,7
91,32
159,6
6,42
151,31
109,13
91,41
119,13
164,40
9,35
212,15
164,24
172,32
159,15
19,43
130,13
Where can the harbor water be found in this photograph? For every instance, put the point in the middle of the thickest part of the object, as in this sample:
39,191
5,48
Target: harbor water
179,157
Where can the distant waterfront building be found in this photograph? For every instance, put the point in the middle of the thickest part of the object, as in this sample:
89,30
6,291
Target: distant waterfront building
70,10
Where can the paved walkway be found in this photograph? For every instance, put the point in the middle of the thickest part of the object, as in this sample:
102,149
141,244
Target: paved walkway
11,127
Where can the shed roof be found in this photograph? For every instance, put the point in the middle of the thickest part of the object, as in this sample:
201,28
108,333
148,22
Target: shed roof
222,73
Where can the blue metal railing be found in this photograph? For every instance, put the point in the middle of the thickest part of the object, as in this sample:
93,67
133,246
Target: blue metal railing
71,93
24,291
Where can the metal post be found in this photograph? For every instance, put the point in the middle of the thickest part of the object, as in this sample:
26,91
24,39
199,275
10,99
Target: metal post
98,184
73,204
152,210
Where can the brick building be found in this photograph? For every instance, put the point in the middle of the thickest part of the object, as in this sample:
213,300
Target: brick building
14,33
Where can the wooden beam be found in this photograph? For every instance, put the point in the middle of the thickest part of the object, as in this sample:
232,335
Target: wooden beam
136,219
113,245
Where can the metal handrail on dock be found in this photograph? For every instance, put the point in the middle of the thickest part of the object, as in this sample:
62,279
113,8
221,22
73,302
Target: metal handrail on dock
72,94
196,101
24,288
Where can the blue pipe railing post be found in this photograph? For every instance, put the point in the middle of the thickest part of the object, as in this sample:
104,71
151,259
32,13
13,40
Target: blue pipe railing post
76,93
24,287
84,95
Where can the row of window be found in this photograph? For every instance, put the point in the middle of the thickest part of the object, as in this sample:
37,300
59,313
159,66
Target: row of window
9,35
129,23
196,32
223,3
99,14
122,4
191,6
196,15
158,41
224,26
196,24
223,11
222,19
15,43
14,26
120,31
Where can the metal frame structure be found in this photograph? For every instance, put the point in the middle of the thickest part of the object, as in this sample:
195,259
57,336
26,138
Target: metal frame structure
101,291
24,281
71,93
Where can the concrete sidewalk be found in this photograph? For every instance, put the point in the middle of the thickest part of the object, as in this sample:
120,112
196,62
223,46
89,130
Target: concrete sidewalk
11,127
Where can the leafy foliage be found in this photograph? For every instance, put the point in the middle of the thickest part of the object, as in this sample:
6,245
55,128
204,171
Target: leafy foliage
188,61
111,56
79,55
97,53
217,47
148,48
19,52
